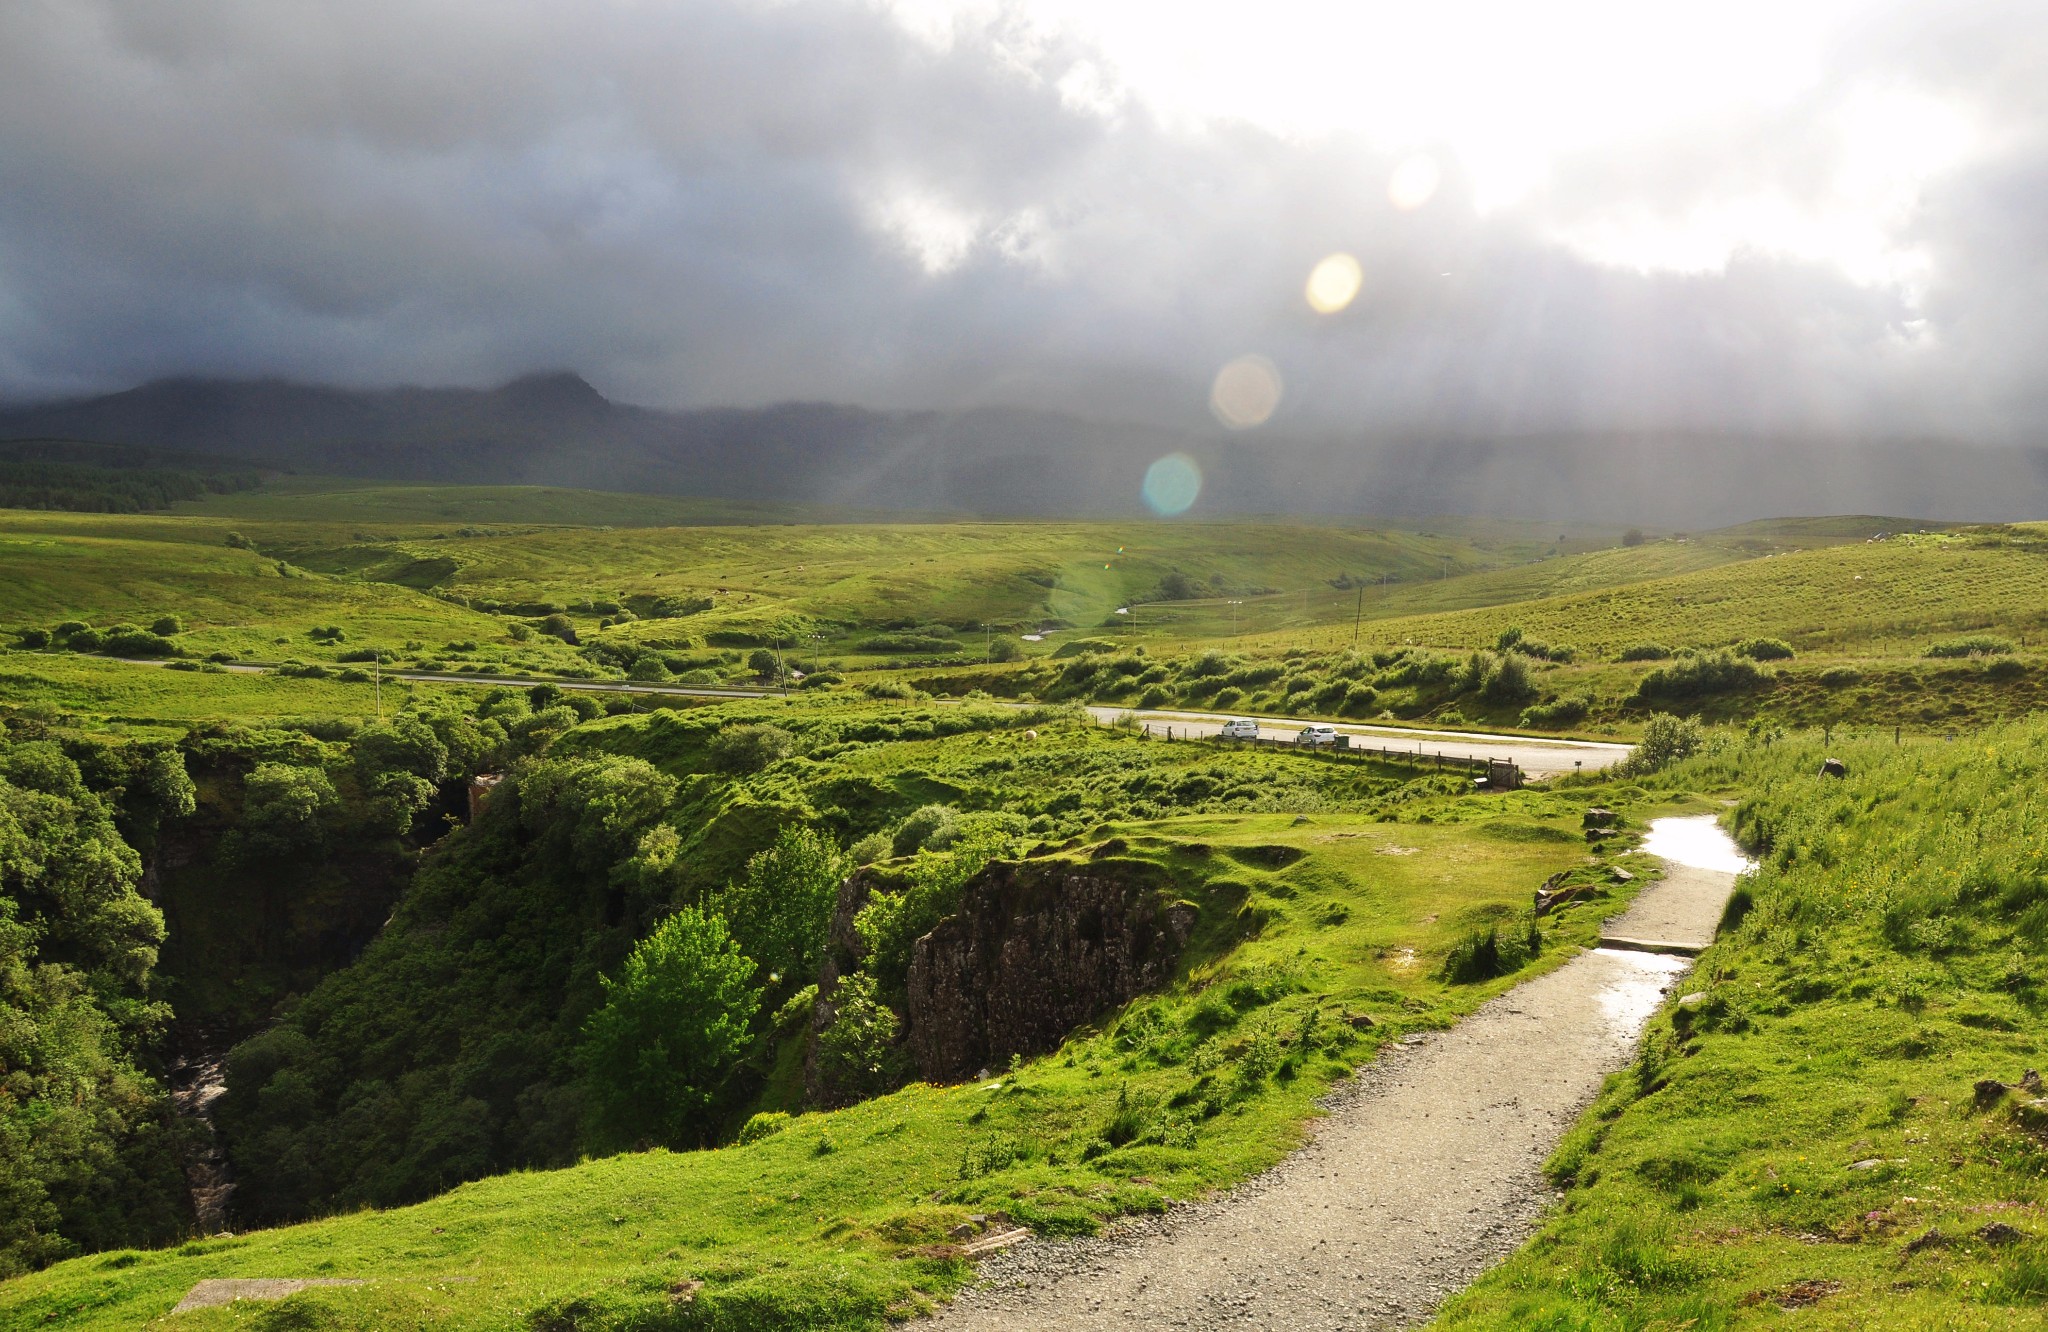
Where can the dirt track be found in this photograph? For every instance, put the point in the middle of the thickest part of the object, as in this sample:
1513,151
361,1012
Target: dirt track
1427,1170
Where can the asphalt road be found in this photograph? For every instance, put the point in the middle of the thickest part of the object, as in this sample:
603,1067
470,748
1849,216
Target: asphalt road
1536,756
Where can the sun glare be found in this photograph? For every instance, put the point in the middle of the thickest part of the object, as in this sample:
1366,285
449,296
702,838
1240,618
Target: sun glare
1333,283
1245,392
1414,182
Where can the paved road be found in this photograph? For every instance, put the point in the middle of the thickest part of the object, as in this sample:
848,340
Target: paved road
1536,756
1426,1172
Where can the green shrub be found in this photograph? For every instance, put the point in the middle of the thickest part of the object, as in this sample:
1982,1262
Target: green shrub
648,666
1645,652
1080,647
932,826
1358,700
1708,673
1973,645
167,625
1765,649
34,638
750,748
883,644
1567,710
138,643
1482,955
761,1126
1666,739
1508,681
675,1018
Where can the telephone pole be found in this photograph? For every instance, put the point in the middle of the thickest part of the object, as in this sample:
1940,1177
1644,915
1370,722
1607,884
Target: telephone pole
1358,618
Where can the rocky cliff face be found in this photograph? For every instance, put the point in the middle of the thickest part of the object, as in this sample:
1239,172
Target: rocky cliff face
1036,950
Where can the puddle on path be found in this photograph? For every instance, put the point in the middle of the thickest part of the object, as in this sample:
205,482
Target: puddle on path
1635,985
1698,842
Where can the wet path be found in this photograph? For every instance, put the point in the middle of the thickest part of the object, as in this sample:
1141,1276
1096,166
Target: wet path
1427,1171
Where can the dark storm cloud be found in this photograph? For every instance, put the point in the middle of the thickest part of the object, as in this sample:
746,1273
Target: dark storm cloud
739,202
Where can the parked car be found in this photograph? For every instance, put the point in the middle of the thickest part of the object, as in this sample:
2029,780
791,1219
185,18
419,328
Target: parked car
1317,733
1240,728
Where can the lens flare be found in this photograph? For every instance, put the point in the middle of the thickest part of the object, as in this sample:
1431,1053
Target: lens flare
1172,484
1333,283
1414,182
1245,392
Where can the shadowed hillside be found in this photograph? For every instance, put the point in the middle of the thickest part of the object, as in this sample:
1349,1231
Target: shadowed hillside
555,429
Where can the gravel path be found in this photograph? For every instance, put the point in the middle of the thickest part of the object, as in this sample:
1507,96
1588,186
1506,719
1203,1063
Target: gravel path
1426,1171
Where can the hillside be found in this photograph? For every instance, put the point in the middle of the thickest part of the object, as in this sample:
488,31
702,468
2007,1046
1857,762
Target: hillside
556,430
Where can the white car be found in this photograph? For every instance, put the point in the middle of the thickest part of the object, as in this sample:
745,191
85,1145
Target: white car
1317,733
1240,728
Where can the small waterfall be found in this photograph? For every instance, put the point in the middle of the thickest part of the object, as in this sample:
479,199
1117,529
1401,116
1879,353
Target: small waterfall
198,1078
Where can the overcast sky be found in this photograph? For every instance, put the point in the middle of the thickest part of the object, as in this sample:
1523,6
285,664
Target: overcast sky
1813,217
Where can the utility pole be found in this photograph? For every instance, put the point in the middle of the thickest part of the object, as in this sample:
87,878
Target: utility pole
780,678
1358,618
988,645
377,680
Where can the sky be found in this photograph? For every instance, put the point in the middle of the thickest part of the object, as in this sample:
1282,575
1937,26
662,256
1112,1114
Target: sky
1462,218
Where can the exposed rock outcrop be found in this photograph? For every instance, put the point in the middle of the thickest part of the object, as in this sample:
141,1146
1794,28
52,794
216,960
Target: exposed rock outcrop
1036,950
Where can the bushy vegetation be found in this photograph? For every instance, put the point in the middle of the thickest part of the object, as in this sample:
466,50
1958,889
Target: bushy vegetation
88,1148
1971,645
1197,1086
84,488
1701,675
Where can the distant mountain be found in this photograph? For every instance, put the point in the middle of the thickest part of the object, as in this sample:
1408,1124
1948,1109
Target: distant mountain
555,429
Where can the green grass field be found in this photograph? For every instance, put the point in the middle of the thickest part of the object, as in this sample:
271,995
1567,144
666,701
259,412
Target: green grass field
1890,959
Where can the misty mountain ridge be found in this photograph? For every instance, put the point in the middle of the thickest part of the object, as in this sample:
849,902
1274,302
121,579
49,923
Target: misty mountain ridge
554,428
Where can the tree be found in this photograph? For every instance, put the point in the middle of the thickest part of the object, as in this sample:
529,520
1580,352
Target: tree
1509,681
856,1053
780,908
762,662
167,625
674,1020
282,805
560,626
404,744
1666,740
1632,537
